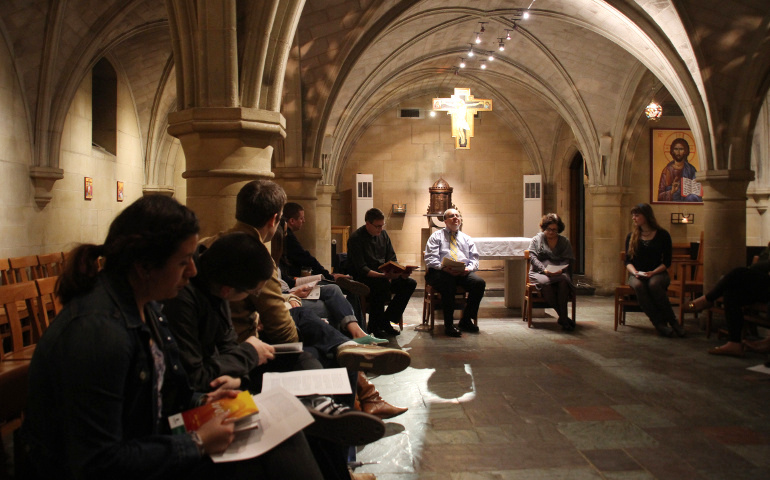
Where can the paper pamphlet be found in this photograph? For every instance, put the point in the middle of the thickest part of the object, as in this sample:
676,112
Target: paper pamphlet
690,186
761,368
238,408
327,381
281,415
555,268
314,294
298,281
454,265
281,348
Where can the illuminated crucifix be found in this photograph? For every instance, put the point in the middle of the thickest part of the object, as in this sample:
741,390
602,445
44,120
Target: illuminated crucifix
462,106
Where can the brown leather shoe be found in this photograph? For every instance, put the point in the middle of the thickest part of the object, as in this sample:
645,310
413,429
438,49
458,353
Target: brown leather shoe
382,409
372,403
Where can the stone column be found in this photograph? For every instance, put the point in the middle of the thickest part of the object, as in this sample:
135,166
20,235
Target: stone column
300,185
323,225
225,147
724,225
607,223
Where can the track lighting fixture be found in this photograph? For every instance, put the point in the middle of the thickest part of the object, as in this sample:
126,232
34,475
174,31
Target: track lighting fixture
470,52
508,34
478,37
501,46
462,62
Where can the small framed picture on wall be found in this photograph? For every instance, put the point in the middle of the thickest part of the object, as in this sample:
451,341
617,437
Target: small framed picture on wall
673,169
88,188
120,191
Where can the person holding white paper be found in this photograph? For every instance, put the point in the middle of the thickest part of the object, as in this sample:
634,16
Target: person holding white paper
445,251
106,374
550,258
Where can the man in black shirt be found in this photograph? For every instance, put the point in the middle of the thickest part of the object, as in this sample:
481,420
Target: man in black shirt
368,248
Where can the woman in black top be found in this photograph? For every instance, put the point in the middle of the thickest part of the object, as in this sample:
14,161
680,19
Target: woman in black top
648,256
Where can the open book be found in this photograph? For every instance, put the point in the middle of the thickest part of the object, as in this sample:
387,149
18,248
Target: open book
397,268
241,409
299,281
454,265
690,186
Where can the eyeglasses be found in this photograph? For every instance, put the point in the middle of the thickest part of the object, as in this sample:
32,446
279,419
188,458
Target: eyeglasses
552,229
377,226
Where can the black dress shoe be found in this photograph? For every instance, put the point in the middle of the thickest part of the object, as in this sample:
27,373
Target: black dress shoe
468,326
390,331
452,332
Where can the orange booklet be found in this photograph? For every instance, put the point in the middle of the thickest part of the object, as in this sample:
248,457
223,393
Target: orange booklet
397,267
238,408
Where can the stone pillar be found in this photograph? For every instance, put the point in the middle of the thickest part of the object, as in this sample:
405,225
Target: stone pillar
300,185
225,147
761,203
323,225
724,225
608,223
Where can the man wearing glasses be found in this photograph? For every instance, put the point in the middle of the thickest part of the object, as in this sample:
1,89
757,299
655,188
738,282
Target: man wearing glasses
452,244
368,248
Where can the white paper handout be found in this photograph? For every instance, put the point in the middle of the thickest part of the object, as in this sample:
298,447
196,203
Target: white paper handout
555,268
281,415
327,381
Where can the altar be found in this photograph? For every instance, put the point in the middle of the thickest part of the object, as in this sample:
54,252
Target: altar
511,251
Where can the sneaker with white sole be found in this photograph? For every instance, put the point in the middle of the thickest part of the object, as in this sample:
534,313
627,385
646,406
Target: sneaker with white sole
341,424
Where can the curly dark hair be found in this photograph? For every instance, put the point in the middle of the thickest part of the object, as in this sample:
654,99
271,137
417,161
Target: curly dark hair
550,219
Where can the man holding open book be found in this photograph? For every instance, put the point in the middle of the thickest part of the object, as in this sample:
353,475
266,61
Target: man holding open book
452,260
369,249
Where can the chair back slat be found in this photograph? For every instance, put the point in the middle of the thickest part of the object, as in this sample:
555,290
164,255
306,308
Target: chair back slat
48,305
22,268
5,268
19,302
49,265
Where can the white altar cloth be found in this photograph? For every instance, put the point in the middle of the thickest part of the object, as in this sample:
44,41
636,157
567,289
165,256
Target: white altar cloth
511,250
491,248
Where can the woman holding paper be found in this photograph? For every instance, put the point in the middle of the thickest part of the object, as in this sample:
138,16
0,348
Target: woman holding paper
550,256
648,256
106,373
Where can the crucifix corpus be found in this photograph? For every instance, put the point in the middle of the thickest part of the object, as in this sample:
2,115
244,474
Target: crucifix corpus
462,106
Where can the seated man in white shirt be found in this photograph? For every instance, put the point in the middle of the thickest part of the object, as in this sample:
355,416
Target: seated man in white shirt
450,242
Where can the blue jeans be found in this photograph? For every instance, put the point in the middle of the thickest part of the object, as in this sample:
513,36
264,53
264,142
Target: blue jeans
333,306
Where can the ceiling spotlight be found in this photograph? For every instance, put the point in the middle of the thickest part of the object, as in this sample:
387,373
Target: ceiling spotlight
482,27
483,65
478,37
491,58
462,63
470,52
525,15
502,45
432,113
508,36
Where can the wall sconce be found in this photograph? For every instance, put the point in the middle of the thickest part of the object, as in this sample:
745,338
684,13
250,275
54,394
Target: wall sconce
687,218
399,209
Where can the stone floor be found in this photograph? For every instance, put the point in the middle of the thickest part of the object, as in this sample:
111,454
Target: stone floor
519,403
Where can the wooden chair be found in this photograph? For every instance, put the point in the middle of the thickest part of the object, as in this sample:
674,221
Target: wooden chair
532,295
689,283
23,326
13,401
625,297
48,304
5,271
432,300
22,268
49,265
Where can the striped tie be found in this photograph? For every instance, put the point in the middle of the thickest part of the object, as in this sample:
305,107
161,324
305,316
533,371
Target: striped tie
453,251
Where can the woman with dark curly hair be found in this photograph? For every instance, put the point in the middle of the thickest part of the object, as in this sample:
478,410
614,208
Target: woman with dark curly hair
648,256
550,257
